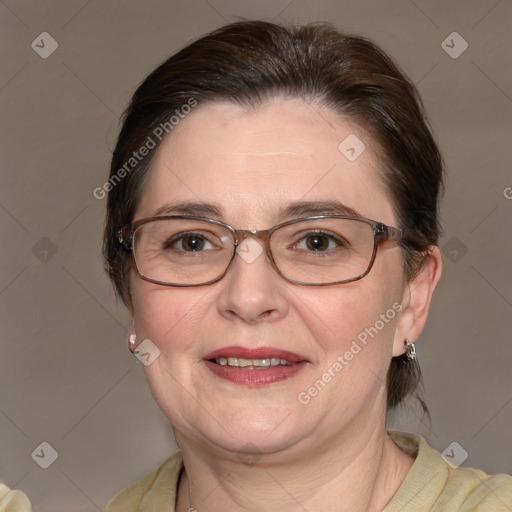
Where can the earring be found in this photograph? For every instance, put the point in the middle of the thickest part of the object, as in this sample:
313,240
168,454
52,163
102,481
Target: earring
410,350
131,342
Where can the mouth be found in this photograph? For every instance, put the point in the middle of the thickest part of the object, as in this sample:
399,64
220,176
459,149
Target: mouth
251,364
255,366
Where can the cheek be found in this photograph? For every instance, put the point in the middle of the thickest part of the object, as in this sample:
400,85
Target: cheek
163,314
172,319
362,314
353,332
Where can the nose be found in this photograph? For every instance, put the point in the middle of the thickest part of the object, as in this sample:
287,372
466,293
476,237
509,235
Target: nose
252,290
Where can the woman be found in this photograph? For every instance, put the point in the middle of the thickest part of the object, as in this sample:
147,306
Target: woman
272,226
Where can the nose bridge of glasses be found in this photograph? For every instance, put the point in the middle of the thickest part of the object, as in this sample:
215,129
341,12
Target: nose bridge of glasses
249,252
242,234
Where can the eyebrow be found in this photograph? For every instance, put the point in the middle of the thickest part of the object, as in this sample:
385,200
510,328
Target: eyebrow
310,208
293,210
194,209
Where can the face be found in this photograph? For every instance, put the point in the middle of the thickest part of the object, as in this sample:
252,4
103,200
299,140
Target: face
251,165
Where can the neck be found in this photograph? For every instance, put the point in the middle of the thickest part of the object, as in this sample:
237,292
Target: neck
358,474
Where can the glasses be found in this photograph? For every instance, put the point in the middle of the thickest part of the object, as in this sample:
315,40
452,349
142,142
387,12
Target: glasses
312,251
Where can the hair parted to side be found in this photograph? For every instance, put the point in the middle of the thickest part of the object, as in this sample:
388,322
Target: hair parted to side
251,62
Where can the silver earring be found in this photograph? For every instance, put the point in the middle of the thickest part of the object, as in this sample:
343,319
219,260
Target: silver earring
410,350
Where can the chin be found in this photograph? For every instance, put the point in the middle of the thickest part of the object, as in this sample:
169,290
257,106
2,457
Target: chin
255,444
257,430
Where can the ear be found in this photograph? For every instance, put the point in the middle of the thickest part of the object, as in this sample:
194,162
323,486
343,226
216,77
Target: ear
416,300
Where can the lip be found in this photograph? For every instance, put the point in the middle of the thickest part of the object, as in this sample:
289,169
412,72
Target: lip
255,353
255,378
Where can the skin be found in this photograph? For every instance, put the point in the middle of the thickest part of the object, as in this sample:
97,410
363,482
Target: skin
332,454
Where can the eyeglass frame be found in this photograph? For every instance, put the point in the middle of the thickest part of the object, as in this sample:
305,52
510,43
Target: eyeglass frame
381,234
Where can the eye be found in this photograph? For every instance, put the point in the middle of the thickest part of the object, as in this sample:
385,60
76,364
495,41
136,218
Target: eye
188,242
319,242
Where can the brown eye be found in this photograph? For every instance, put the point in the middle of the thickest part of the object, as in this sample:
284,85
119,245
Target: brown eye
193,243
188,242
320,242
317,242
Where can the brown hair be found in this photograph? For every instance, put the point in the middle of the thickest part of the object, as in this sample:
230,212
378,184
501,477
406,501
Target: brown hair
250,62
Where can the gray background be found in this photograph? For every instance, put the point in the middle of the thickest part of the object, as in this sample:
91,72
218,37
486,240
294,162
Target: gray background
66,377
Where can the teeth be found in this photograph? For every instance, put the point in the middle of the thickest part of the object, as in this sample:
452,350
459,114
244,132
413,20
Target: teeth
260,362
252,364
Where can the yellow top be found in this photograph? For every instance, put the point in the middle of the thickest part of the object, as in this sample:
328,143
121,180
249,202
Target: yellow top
13,501
431,485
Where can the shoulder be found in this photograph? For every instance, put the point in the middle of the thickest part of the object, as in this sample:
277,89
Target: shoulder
434,484
157,488
13,500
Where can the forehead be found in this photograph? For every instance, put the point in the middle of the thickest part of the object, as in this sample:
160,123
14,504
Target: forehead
252,163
